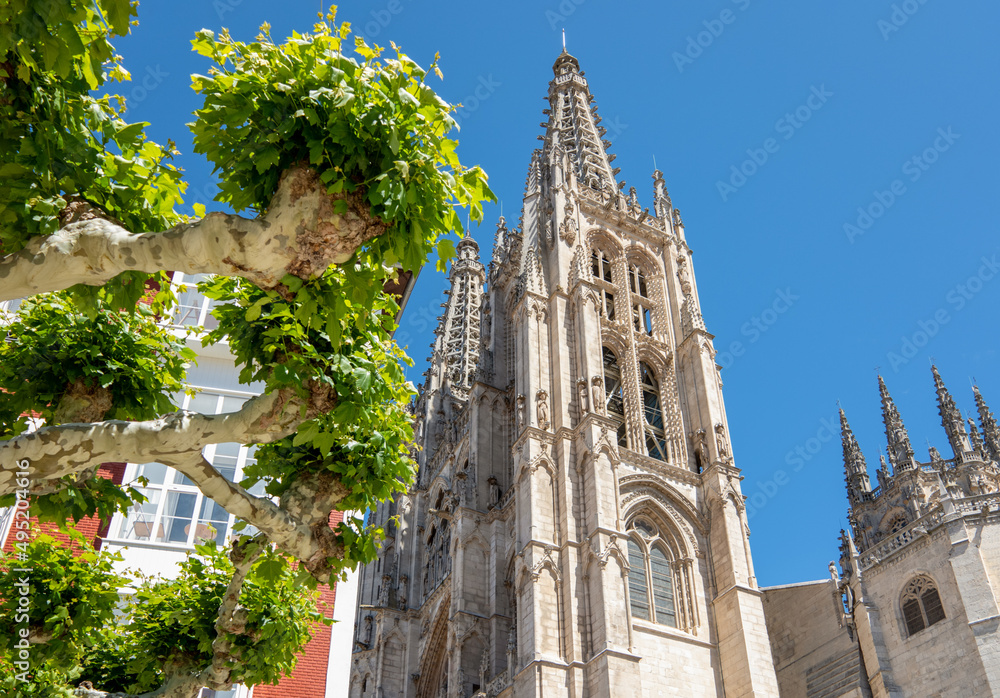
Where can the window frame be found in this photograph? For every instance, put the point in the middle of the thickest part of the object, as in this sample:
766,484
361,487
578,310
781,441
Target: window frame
650,430
916,593
202,509
614,392
202,311
641,544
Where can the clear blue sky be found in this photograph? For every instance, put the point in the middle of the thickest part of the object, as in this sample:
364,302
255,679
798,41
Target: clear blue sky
868,87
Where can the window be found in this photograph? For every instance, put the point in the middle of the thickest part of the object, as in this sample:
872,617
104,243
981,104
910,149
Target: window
897,524
637,281
921,605
176,512
650,577
608,304
642,318
638,589
193,309
652,412
600,266
613,394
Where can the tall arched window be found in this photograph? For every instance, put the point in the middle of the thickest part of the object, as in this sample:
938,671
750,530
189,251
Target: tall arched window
656,440
600,265
921,604
613,393
650,577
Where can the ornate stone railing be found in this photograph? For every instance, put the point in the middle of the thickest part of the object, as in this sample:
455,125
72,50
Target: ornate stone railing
497,685
901,539
978,503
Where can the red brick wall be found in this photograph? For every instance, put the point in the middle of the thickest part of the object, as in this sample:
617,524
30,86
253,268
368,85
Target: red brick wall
308,679
91,527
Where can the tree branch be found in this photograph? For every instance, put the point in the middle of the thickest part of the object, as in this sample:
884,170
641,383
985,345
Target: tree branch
66,449
300,234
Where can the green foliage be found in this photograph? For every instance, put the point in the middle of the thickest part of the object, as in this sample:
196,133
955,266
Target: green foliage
368,125
58,142
359,122
319,335
123,642
70,592
173,622
50,345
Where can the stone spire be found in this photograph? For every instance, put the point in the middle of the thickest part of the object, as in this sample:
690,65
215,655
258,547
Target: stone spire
951,418
574,125
991,433
662,205
855,467
461,320
900,450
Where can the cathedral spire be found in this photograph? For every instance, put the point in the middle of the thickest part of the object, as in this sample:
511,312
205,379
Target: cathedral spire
661,197
991,433
574,125
900,450
461,319
951,418
855,467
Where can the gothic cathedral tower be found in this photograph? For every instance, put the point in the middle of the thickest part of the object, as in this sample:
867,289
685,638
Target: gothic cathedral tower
577,527
921,562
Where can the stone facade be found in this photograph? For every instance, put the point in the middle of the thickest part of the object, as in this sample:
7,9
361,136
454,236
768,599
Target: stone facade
915,613
577,527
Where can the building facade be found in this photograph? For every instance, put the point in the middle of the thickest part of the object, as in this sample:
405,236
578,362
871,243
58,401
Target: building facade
577,526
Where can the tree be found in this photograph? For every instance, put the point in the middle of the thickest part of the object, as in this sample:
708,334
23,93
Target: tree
341,160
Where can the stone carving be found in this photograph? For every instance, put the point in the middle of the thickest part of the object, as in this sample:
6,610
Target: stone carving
494,491
404,580
699,441
520,413
542,408
683,276
581,390
568,228
721,444
597,395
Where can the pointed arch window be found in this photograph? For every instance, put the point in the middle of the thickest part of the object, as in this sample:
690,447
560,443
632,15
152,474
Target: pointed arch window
600,266
650,577
613,395
652,412
921,604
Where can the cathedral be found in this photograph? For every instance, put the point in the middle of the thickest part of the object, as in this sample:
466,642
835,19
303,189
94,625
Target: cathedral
577,526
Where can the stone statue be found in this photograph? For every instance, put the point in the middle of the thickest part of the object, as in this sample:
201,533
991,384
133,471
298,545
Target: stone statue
401,595
721,443
520,412
700,442
597,395
494,491
683,276
582,390
368,631
542,407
